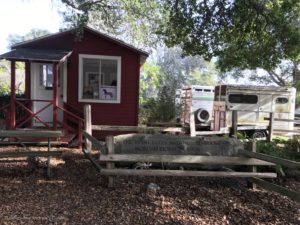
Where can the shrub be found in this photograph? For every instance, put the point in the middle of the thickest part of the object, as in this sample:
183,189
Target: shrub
282,148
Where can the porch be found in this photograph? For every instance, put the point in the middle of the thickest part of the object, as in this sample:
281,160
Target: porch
44,104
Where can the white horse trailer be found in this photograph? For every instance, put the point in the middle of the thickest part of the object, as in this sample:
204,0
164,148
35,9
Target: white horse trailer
253,104
198,100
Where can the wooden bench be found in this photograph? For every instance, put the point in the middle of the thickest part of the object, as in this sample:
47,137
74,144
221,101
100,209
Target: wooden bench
35,134
110,158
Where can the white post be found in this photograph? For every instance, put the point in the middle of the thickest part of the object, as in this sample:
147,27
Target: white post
110,150
192,123
88,125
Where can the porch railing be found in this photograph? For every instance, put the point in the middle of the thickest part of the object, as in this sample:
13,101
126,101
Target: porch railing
30,114
27,115
79,122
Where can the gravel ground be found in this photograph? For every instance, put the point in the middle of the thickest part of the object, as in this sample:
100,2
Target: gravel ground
77,194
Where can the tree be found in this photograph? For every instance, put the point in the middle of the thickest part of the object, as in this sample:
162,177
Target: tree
161,77
5,65
244,34
133,21
149,82
32,34
179,71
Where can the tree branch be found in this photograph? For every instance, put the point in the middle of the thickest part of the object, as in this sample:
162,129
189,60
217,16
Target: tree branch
276,78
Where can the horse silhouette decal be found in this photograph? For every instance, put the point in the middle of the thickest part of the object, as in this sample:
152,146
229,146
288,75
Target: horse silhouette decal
108,94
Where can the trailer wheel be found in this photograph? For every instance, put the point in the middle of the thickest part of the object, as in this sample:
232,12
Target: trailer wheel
258,134
202,115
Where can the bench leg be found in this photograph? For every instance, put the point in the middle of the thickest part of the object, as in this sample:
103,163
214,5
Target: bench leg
49,159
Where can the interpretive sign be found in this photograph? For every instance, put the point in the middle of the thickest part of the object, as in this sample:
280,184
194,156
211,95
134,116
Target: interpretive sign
175,145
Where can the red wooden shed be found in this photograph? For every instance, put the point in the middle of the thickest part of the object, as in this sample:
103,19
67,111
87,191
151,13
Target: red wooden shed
62,74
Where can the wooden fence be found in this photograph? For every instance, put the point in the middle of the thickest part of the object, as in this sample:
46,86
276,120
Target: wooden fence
245,157
251,158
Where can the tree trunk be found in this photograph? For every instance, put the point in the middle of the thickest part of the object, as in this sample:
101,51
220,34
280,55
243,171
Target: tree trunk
296,79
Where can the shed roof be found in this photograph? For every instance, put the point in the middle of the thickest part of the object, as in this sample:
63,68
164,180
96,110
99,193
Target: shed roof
88,29
48,55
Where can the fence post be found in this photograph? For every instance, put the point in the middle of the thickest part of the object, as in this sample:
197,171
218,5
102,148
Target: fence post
12,112
109,165
192,123
234,123
88,125
253,147
271,122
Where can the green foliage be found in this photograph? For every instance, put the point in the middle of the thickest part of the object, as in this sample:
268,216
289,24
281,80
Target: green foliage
4,89
282,148
133,21
160,109
243,34
207,76
288,149
178,71
240,34
166,108
5,98
157,102
241,135
149,82
160,79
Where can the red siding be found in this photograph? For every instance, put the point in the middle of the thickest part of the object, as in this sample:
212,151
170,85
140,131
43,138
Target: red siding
60,41
125,113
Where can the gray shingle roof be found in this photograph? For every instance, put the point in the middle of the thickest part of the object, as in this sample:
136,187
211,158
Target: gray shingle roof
49,55
89,29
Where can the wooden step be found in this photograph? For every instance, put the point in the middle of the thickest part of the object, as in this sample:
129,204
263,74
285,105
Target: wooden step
67,138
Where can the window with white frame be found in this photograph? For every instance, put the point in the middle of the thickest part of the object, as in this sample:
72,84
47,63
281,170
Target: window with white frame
46,76
99,78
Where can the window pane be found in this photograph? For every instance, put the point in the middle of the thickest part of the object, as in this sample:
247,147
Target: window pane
99,78
109,70
250,99
49,79
46,75
281,100
91,68
243,99
236,98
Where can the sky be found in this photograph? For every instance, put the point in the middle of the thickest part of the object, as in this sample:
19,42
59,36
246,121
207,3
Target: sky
20,16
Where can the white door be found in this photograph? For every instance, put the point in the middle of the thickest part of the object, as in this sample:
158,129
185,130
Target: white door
42,89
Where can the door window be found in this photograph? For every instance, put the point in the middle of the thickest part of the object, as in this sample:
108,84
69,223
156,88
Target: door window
46,76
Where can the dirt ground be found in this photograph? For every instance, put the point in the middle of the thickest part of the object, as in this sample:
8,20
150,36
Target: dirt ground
77,194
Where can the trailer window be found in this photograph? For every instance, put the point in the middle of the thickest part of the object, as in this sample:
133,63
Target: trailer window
207,90
243,99
281,100
197,89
